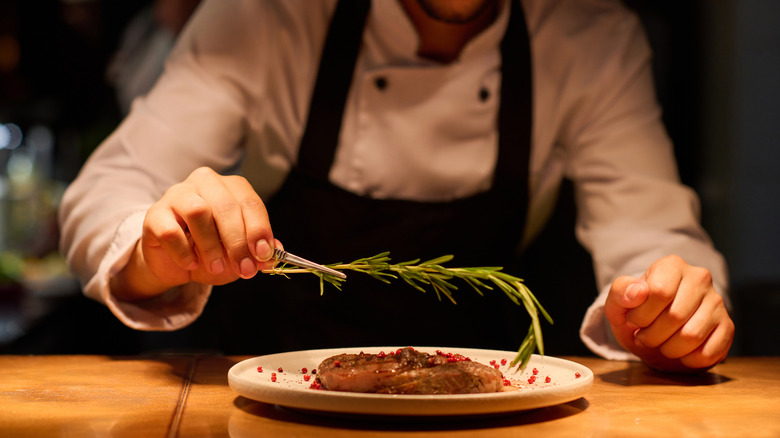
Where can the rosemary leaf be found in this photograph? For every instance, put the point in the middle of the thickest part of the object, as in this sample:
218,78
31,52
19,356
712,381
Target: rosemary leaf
476,284
438,260
405,277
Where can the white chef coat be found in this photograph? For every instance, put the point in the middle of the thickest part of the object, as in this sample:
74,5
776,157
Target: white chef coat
236,91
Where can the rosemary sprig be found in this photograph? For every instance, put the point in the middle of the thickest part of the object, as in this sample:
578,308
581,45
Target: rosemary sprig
432,274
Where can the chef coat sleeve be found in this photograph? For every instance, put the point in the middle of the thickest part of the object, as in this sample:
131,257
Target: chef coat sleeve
194,116
632,207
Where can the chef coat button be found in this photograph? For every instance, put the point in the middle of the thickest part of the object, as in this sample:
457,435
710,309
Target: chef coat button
381,83
484,94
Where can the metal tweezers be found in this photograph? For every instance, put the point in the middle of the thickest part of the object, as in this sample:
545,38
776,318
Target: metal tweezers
284,256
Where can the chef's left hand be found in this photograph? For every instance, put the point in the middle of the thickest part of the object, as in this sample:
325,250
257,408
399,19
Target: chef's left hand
672,318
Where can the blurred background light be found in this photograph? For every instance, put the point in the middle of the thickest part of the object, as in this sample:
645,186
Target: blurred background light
10,136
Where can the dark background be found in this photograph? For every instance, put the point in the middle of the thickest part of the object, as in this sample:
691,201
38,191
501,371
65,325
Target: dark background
717,67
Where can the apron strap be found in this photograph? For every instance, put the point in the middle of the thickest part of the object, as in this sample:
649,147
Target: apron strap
334,78
515,119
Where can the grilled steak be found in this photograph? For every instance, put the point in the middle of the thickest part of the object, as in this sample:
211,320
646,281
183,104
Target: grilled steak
407,371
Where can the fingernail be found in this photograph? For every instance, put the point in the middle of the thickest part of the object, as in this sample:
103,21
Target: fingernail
217,266
247,268
263,250
632,291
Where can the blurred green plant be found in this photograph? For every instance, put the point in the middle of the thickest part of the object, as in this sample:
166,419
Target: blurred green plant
11,267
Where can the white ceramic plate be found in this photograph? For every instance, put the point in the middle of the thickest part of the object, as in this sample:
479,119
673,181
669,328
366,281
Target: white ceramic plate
567,381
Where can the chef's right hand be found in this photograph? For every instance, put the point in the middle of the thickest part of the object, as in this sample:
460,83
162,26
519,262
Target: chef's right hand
209,229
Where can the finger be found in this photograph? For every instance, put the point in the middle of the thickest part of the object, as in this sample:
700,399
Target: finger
229,221
272,262
663,279
161,229
684,305
714,349
197,215
259,235
695,331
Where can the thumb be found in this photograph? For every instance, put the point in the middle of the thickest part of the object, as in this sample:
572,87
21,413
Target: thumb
625,294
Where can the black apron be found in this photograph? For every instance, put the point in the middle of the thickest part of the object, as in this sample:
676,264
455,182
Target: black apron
322,222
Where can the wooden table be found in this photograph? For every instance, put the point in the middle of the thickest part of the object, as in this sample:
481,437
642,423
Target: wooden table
188,396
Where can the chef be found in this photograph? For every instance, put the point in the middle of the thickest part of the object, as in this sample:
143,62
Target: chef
423,127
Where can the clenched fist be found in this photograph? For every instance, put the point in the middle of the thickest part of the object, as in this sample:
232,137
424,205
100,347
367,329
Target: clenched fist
672,317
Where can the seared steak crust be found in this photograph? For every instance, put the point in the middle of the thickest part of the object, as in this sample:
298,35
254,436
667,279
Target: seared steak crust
407,371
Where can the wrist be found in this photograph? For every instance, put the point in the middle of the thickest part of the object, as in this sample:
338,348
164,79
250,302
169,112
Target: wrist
136,282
